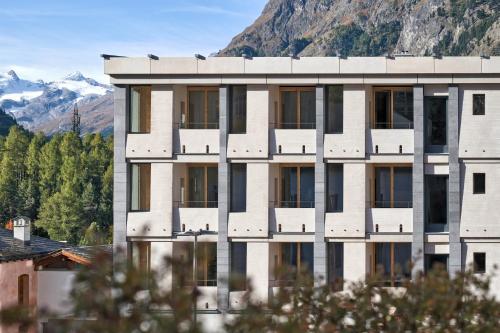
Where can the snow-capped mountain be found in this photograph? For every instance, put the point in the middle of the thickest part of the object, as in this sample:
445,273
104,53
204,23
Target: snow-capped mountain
47,106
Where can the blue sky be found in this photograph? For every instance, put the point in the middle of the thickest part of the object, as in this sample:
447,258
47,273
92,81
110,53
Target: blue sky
46,39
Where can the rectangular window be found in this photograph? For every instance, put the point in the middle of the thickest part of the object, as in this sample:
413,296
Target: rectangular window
238,110
140,187
140,109
393,187
202,187
334,109
392,263
336,266
293,259
436,261
479,262
435,123
393,108
297,187
238,187
206,264
238,266
141,259
478,105
203,112
479,183
436,203
335,187
298,108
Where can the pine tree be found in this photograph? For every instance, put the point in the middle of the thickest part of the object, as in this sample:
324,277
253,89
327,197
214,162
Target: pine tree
30,187
50,166
12,173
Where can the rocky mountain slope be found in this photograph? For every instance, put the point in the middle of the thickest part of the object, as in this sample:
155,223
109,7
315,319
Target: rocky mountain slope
371,27
48,106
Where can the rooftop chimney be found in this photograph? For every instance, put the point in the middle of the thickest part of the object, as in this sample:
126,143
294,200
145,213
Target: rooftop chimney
22,229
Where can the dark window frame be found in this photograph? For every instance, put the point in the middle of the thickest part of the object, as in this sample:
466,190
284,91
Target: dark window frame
232,207
129,113
232,127
478,183
298,124
479,262
205,124
330,207
238,272
391,91
430,148
336,265
131,190
331,113
478,104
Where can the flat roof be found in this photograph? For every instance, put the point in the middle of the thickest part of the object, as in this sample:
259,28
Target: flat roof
398,65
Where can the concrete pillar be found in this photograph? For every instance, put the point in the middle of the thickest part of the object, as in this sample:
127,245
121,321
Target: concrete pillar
417,248
223,197
320,267
258,269
455,258
120,189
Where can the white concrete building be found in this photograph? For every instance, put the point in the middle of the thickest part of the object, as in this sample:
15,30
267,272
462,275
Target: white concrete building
339,166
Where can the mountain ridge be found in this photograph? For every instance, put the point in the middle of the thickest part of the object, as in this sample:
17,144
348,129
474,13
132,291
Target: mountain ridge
47,106
371,28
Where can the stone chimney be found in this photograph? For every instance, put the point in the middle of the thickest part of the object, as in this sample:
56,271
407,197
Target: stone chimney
22,229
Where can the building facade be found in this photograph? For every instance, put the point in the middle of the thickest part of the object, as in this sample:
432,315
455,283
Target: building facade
342,167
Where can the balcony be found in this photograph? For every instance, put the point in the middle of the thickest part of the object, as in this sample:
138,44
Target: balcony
196,141
393,220
293,141
195,216
390,141
285,217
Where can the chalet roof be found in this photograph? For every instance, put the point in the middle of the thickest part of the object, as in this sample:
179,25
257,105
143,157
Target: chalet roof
12,249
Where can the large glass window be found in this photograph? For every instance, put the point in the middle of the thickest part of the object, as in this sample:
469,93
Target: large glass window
336,266
203,112
392,262
436,203
293,259
334,109
140,187
203,187
140,109
298,108
297,187
206,264
141,259
436,132
238,266
335,187
393,187
479,262
238,187
393,108
436,261
238,110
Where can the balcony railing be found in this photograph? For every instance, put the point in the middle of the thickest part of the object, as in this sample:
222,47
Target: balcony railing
291,204
391,204
196,204
301,125
193,125
393,125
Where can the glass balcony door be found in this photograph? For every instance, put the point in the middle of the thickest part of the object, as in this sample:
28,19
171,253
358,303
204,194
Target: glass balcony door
293,260
393,108
298,108
297,187
393,187
202,187
203,112
391,263
436,203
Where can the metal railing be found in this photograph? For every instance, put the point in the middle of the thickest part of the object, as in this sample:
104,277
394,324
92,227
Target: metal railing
393,125
391,204
291,204
301,125
193,125
196,204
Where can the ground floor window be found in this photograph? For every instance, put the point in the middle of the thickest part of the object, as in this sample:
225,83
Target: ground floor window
391,263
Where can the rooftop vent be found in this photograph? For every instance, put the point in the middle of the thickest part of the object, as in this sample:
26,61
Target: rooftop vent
199,56
153,57
22,229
